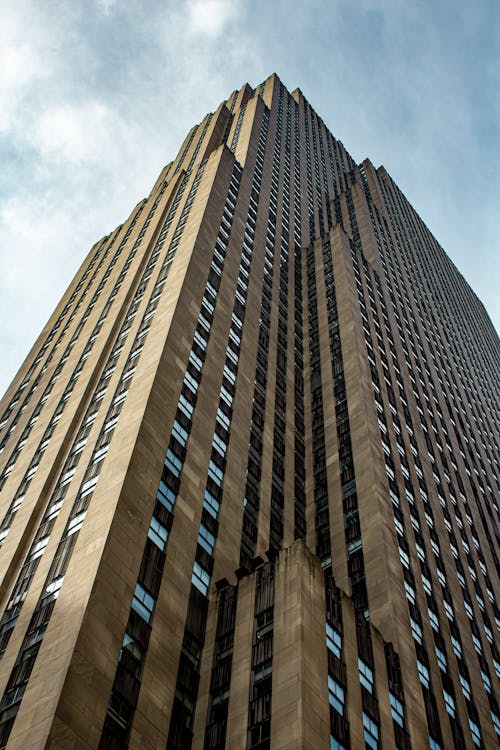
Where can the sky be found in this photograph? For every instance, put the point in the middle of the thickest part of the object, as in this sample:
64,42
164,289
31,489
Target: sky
96,97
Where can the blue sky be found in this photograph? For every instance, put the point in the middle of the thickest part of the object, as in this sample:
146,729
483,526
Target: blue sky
96,96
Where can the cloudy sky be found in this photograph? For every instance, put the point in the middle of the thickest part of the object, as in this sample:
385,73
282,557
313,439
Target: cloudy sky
97,95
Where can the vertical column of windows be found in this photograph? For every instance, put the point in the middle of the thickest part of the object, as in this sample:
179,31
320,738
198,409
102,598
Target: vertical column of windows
207,535
196,151
215,735
322,515
186,149
396,698
324,175
320,197
299,412
237,129
310,203
253,473
279,433
337,683
126,686
334,170
366,672
259,711
354,546
188,675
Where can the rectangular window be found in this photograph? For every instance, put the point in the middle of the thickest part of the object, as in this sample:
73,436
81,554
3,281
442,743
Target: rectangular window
333,640
336,695
441,659
200,578
211,504
143,603
206,539
179,433
185,407
365,675
370,731
215,473
449,703
158,533
465,687
397,710
173,463
476,734
423,673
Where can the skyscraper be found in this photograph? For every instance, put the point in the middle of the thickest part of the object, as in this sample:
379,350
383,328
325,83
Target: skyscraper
248,468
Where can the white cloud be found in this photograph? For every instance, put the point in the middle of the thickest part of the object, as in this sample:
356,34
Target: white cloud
210,17
25,60
79,133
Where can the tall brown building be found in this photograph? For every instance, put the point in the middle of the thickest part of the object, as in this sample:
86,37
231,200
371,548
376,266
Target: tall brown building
248,468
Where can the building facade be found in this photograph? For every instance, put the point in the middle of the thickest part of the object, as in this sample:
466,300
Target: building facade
248,468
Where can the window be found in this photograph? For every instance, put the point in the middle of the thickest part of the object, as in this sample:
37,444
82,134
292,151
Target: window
441,659
99,454
457,647
200,578
448,610
475,731
173,463
143,603
410,592
434,620
370,731
166,496
427,584
76,523
206,539
38,548
416,630
333,640
336,695
88,486
405,560
158,533
211,504
397,709
477,643
215,473
365,675
486,681
179,433
449,703
423,674
185,407
465,687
